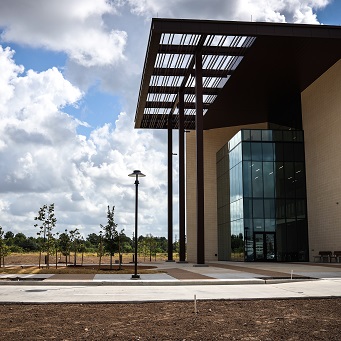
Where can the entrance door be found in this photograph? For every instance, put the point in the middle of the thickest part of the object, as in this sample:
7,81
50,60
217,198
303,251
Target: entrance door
265,246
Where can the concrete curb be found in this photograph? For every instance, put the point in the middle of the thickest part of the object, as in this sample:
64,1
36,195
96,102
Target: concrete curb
151,282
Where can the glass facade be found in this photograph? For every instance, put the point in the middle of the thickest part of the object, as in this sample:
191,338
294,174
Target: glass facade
267,196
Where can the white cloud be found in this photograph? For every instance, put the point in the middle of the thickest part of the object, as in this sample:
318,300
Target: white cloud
299,11
74,27
43,159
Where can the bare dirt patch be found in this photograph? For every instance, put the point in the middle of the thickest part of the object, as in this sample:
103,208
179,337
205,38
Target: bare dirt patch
304,319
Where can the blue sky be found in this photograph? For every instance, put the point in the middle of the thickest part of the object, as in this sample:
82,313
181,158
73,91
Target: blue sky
331,14
75,110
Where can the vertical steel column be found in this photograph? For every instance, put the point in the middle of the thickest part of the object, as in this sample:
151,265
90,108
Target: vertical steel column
182,233
199,126
170,189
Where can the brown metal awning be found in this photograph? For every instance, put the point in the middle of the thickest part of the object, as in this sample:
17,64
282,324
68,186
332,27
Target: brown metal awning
252,72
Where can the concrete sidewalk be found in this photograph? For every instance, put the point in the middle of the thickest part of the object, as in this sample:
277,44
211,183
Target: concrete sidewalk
171,273
219,280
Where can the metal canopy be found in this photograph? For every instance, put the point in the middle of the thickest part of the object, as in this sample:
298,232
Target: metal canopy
252,72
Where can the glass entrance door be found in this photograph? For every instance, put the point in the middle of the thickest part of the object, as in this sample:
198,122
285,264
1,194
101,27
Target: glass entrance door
265,246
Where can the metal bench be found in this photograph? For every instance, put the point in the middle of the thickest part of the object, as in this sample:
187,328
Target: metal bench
337,256
324,255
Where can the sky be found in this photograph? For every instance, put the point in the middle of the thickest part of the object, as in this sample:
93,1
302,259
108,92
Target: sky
70,72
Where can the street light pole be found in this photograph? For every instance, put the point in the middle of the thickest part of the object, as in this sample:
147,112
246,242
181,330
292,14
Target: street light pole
136,174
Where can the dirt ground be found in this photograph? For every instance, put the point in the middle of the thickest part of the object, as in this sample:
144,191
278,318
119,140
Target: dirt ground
303,319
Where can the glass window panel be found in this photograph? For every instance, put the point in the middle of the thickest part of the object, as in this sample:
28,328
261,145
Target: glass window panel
288,151
233,211
280,180
280,209
246,135
300,180
298,136
266,135
258,211
270,225
287,135
268,152
247,179
269,208
301,208
279,151
240,180
232,158
289,179
299,152
233,227
248,223
269,179
246,151
239,155
258,225
277,135
256,135
256,151
247,208
257,179
290,209
231,185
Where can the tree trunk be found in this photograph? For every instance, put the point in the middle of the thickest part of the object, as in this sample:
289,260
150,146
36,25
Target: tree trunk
110,261
56,258
39,259
75,258
119,255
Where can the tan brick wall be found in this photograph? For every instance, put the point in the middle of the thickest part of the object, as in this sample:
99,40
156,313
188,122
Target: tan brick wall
321,111
213,140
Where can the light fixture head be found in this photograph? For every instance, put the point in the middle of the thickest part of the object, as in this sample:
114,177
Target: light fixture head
136,173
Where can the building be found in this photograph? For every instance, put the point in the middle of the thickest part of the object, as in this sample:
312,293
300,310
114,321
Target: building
261,103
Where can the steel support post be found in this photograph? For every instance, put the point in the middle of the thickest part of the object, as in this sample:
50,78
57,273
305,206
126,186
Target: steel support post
182,205
170,189
200,159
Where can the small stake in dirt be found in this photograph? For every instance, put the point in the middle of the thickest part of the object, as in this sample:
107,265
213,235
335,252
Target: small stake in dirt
195,304
292,271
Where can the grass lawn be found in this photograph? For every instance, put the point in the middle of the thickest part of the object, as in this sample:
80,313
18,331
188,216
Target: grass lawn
27,263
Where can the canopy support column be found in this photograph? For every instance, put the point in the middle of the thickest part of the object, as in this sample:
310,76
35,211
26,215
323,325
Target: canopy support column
170,188
182,205
199,120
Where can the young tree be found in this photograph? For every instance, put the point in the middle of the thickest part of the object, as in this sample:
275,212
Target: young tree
100,250
74,239
120,236
110,234
150,245
4,249
65,245
82,247
47,223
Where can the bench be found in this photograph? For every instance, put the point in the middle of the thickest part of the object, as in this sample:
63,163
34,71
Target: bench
324,255
337,256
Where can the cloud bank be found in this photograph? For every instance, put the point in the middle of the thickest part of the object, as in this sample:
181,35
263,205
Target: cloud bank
43,157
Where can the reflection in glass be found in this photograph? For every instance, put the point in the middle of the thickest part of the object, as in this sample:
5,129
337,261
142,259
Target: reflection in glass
267,200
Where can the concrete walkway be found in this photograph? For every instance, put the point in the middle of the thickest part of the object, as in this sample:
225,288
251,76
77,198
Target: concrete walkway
219,280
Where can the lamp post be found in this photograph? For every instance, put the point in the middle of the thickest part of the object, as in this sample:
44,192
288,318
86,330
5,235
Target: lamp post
136,174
